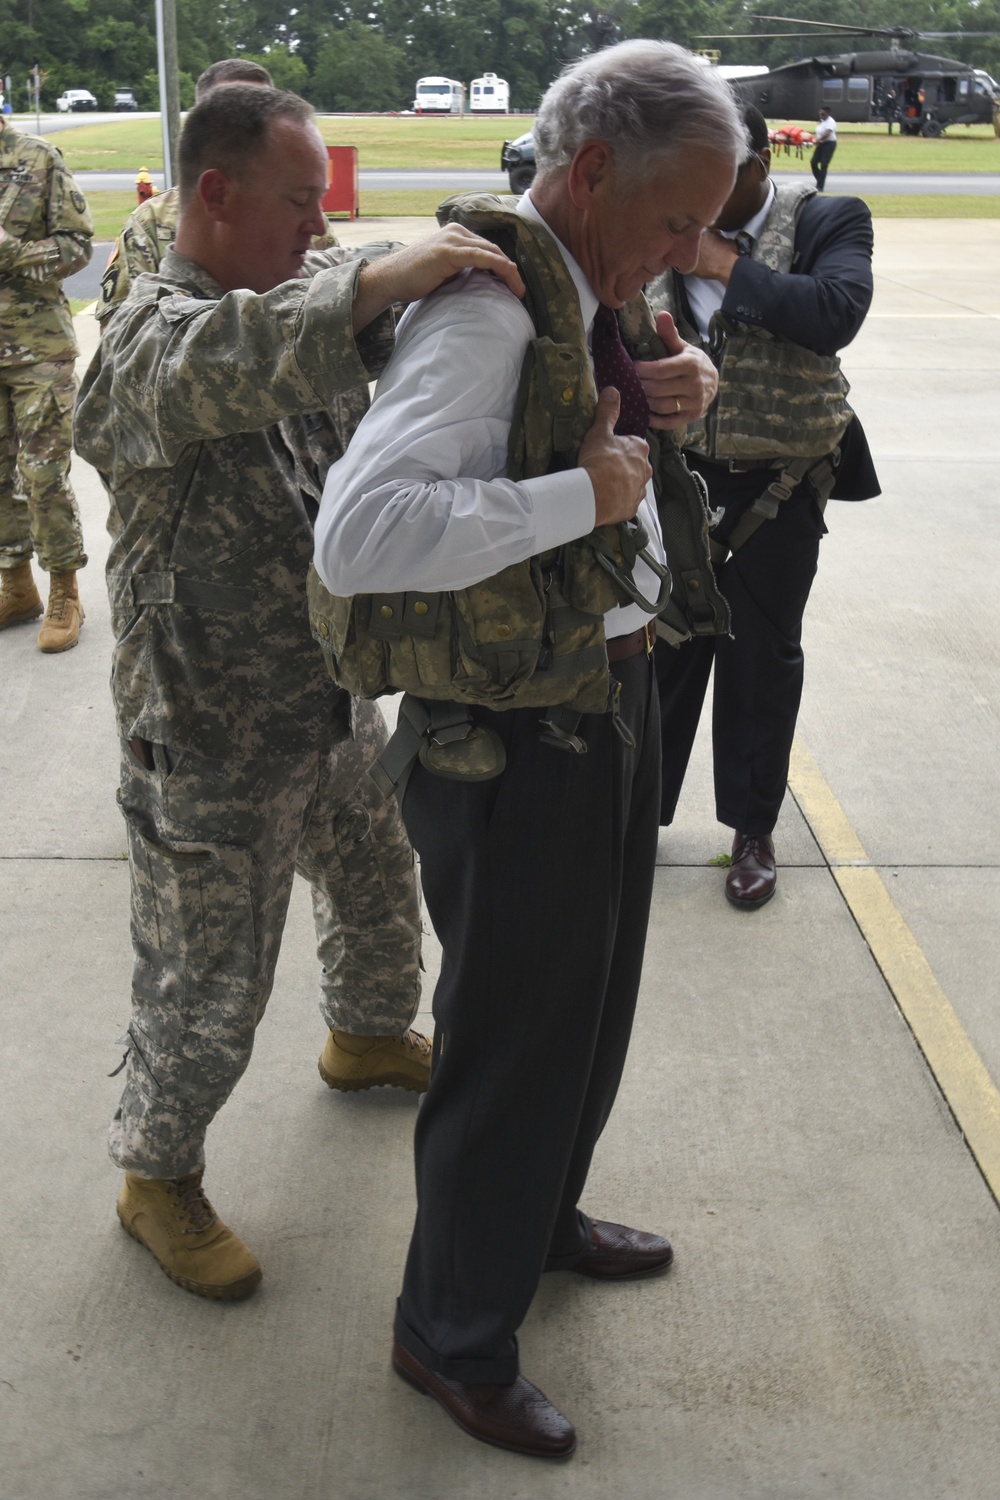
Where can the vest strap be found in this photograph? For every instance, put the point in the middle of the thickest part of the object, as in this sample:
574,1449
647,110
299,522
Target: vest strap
821,476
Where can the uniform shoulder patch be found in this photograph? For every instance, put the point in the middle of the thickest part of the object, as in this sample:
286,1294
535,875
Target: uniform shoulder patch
78,201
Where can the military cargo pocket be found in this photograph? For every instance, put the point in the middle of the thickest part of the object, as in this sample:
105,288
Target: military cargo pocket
192,903
27,189
356,881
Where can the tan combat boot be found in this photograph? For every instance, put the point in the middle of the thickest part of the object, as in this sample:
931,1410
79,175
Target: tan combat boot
64,614
181,1230
369,1062
19,599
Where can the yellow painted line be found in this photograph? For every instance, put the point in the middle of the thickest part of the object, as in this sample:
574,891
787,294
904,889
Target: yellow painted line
961,1075
824,814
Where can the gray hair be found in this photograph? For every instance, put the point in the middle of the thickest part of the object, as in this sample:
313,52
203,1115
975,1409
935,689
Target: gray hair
646,100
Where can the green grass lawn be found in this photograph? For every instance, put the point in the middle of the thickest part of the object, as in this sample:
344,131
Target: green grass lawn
467,143
971,148
933,206
382,141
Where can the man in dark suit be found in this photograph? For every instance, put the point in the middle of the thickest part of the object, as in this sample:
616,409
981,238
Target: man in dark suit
783,282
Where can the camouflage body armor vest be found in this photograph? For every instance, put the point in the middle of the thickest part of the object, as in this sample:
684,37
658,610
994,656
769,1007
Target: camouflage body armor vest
776,399
533,634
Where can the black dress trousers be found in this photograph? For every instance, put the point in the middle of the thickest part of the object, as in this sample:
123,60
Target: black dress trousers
758,672
538,884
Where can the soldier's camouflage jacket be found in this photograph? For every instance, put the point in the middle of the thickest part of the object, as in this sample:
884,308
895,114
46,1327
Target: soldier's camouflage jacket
195,411
48,236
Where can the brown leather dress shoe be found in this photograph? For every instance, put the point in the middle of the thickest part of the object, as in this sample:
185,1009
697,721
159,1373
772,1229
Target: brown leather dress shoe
752,876
514,1416
617,1253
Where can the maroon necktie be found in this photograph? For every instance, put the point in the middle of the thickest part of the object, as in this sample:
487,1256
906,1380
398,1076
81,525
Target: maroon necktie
612,366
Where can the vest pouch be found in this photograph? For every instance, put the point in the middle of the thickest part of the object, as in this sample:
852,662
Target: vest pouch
478,756
777,399
555,406
588,588
498,628
356,659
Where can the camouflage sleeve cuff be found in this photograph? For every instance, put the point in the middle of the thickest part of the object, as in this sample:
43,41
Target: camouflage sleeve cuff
45,260
9,248
326,350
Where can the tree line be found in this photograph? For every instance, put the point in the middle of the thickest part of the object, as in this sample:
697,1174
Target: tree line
342,55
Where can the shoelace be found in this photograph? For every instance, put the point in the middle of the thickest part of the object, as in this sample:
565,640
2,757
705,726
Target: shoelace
195,1205
58,601
750,845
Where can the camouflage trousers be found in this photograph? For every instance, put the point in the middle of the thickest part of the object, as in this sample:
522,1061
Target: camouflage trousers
213,848
38,511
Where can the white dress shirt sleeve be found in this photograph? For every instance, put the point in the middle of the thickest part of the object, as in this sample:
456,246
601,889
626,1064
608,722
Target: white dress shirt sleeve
420,501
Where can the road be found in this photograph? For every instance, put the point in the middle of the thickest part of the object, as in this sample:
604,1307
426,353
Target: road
441,178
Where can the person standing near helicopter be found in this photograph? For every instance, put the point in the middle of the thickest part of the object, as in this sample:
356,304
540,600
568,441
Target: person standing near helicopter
826,145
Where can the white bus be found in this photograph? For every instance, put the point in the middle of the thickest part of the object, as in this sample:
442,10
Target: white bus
489,95
439,96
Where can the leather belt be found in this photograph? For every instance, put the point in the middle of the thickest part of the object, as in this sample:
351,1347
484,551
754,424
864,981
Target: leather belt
621,647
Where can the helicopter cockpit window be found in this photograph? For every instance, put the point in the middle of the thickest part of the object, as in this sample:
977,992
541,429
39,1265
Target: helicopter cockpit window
858,90
946,91
833,90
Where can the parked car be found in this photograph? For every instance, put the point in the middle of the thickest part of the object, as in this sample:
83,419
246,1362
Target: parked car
75,99
517,159
125,99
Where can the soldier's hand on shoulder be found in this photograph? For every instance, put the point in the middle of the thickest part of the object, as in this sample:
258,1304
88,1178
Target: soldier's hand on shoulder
419,269
681,387
618,466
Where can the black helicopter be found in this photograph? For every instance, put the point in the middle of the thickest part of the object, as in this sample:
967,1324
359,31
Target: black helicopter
921,92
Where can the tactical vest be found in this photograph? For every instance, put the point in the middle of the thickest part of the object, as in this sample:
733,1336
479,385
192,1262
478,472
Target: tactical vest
533,634
776,399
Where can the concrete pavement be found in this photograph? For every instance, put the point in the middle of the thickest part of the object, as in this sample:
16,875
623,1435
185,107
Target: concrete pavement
831,1328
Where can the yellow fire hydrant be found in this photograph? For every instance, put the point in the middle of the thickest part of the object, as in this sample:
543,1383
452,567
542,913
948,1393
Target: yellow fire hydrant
144,186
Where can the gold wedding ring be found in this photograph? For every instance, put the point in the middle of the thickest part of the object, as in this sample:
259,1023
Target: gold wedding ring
678,400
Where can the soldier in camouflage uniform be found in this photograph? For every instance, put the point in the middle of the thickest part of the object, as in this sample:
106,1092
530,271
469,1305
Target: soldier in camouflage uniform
783,282
151,228
241,761
45,235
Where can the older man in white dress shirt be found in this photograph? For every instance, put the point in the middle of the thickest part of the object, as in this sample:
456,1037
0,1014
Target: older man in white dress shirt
538,881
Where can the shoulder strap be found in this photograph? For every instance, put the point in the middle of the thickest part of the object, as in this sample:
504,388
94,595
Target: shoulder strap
776,246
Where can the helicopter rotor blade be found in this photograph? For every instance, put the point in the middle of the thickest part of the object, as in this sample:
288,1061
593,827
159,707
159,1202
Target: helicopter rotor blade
725,36
897,33
902,33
